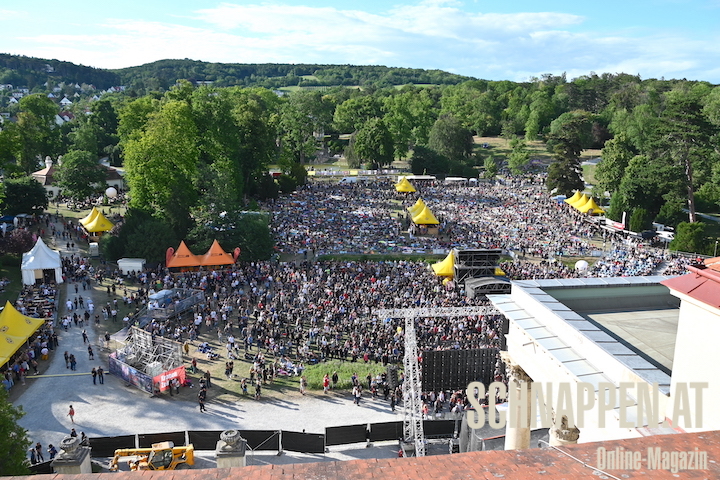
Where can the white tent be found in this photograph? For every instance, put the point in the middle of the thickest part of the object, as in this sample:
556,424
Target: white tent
38,259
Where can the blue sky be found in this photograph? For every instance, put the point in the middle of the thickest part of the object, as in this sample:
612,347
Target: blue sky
513,40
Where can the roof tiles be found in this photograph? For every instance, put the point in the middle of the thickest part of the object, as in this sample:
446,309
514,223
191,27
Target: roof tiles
528,464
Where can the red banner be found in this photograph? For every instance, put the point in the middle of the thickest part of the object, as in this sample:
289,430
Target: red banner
164,378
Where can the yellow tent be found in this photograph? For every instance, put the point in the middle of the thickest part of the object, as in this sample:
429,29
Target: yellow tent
417,208
499,272
90,216
96,222
404,186
445,268
591,207
15,329
425,217
580,204
582,200
572,199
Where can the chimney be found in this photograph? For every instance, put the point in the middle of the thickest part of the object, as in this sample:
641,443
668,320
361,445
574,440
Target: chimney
48,161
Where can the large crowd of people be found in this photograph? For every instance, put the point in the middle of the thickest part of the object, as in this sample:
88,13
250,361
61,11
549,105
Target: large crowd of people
284,315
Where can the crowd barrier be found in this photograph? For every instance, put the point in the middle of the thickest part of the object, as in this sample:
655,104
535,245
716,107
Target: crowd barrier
276,440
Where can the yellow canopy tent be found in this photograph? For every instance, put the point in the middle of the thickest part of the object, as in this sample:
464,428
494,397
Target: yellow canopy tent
96,222
580,204
404,186
591,207
499,272
574,198
15,329
425,217
582,200
90,216
445,268
417,208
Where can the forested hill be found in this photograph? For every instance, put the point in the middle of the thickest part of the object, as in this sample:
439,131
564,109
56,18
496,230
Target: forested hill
32,72
164,73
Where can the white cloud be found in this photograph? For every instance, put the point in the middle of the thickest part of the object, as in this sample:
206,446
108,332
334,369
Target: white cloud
432,34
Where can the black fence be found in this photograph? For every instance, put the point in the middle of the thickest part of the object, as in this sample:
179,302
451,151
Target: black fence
276,440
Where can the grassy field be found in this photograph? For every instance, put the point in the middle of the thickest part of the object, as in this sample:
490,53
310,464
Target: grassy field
345,370
499,147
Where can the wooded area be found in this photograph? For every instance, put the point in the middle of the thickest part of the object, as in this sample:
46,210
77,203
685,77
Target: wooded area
659,138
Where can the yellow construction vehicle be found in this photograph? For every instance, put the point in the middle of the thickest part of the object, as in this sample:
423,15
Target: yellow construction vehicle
161,456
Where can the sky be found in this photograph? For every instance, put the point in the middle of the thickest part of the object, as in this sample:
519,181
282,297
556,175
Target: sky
511,40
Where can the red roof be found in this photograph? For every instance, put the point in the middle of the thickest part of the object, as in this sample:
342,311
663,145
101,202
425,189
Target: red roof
531,464
701,284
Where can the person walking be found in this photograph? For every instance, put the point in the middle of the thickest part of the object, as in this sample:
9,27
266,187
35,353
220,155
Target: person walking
326,383
94,375
67,359
335,378
101,377
303,384
38,452
71,414
73,362
85,337
207,378
91,354
201,401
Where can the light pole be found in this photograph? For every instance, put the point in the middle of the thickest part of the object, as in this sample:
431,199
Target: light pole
716,244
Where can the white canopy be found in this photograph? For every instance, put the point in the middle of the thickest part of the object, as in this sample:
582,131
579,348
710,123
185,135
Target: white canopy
38,259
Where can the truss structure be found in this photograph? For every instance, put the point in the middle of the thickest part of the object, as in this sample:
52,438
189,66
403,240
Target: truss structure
148,353
412,386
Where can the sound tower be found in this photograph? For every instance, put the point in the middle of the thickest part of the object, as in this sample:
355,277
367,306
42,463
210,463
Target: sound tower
392,376
454,369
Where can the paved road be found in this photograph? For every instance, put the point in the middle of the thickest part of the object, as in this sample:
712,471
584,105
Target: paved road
115,409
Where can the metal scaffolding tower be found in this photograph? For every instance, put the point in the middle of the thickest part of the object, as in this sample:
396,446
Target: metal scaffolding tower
146,352
412,386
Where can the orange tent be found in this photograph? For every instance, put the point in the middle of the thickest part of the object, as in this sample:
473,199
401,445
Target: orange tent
183,257
216,256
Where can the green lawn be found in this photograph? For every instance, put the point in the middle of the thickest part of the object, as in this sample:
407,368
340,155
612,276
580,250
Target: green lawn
345,370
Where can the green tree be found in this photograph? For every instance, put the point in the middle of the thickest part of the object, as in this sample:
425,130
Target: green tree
616,155
247,230
567,139
645,183
427,161
690,237
79,174
409,116
450,139
640,220
37,132
23,195
354,112
519,156
683,138
150,240
303,120
491,167
374,143
14,442
162,165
